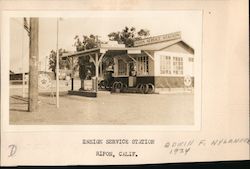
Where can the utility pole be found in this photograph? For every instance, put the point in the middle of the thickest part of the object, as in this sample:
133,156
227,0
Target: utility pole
33,65
23,71
57,63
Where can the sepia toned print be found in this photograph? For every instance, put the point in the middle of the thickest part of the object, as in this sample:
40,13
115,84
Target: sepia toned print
144,82
103,70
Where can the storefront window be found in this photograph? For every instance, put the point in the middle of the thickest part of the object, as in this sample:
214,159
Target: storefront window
191,59
177,65
165,65
122,67
142,65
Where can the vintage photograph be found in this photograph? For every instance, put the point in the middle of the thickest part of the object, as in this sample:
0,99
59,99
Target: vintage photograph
124,82
104,69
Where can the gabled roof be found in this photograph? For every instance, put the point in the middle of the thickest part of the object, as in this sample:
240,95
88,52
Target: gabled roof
183,44
150,47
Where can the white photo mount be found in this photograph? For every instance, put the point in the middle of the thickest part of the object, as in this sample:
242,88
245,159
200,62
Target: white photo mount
221,124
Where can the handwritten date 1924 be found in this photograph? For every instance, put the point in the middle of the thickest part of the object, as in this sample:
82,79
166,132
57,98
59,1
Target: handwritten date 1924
176,151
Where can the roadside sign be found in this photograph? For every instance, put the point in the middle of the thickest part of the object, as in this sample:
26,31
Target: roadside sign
156,39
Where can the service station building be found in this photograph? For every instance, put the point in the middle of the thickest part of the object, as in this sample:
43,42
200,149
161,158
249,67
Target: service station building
152,65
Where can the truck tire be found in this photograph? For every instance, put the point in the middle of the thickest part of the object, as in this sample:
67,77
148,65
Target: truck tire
151,88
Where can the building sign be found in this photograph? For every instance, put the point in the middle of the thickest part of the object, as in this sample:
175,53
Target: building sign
112,44
157,39
44,81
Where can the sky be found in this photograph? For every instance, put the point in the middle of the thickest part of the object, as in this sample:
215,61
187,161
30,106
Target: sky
188,22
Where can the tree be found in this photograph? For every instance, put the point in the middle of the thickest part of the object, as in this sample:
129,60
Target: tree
128,35
72,64
87,42
52,60
143,33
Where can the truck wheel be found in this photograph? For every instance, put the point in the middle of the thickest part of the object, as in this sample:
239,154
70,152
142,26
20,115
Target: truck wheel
124,87
138,88
114,86
102,84
119,85
146,88
151,88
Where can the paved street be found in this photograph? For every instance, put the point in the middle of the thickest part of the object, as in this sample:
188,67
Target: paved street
123,109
